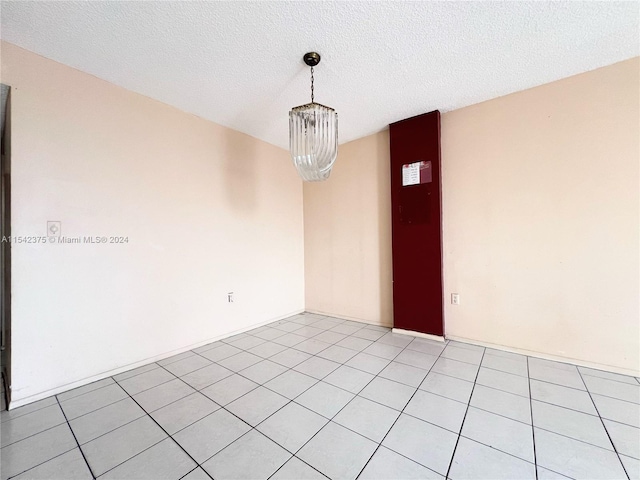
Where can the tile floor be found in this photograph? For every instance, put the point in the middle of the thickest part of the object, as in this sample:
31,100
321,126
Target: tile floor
312,397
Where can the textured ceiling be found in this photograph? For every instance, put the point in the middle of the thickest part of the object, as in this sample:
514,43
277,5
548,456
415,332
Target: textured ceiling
239,63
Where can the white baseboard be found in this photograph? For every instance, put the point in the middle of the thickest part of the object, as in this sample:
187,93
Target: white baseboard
428,336
85,381
545,356
353,319
530,353
39,396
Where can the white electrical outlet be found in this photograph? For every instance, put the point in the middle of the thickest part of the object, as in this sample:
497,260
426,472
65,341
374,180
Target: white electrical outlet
455,299
230,297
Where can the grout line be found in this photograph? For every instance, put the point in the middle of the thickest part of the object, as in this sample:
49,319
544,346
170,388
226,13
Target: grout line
136,374
297,458
220,359
74,437
42,463
211,346
453,454
144,413
456,378
195,421
191,471
401,413
558,384
625,424
190,371
614,398
113,429
103,406
546,363
73,419
291,368
288,460
498,450
535,379
588,375
36,433
549,364
605,428
302,406
397,453
251,427
201,368
233,414
576,439
140,452
97,409
28,413
533,430
596,415
466,345
171,362
147,389
608,372
438,395
563,475
162,428
521,422
496,414
345,405
502,371
69,399
513,357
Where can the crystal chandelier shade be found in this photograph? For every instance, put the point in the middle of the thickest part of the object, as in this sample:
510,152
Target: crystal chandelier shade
313,140
313,135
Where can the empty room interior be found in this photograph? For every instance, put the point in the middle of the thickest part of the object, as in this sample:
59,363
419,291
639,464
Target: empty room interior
206,275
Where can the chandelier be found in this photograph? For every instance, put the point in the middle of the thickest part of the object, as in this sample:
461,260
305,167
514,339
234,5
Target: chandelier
313,134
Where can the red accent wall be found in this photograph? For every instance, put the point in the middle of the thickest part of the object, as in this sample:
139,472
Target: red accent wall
416,224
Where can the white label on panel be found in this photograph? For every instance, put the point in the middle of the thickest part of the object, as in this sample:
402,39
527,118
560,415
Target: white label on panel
411,174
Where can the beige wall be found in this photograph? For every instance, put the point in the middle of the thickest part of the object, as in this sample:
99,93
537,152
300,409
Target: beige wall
540,222
207,211
347,238
541,218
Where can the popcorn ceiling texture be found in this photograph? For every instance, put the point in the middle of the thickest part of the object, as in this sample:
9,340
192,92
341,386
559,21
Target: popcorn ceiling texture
239,63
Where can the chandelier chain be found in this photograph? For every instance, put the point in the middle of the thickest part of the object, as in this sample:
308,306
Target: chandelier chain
311,84
313,133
